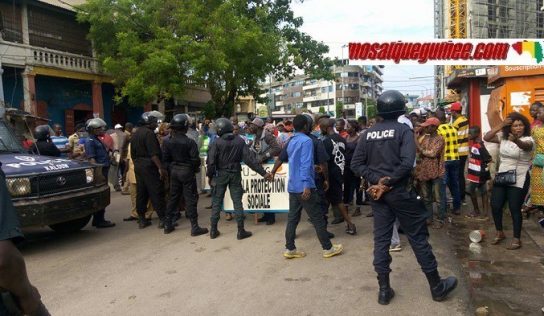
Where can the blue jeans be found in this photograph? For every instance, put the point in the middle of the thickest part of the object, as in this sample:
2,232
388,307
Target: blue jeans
451,179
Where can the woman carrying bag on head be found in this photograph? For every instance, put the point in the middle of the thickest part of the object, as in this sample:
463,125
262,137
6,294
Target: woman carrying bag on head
511,182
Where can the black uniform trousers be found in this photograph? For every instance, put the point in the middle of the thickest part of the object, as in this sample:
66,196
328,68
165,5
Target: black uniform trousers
149,186
412,215
232,180
183,184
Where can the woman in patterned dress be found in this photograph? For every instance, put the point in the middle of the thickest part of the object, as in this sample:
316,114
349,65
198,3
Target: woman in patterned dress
537,181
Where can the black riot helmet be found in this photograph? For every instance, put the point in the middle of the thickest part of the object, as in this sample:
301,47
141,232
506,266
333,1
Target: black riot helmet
95,123
391,104
42,132
148,118
309,120
223,126
180,122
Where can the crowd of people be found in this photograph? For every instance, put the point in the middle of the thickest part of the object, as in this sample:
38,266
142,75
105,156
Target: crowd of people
444,142
412,168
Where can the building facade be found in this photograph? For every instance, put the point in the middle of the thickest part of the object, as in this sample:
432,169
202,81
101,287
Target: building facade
352,84
48,68
484,19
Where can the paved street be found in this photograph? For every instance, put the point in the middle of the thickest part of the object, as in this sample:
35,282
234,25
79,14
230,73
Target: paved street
127,271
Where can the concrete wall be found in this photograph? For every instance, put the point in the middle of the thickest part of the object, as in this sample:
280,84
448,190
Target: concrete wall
61,94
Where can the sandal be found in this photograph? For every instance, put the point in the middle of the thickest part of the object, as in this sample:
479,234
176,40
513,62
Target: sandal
497,240
516,244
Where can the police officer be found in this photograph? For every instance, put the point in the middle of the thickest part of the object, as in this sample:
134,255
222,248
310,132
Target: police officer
385,158
97,153
181,158
44,146
224,170
17,295
146,154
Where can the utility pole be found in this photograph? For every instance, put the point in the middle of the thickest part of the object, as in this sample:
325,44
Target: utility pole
342,80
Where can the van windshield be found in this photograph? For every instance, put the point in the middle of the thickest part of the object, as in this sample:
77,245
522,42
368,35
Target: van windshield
8,141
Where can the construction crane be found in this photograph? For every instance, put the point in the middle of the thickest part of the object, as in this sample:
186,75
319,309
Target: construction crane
456,24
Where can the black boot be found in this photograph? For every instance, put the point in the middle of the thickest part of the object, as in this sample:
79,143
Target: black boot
386,293
143,222
168,225
197,230
242,233
214,233
440,288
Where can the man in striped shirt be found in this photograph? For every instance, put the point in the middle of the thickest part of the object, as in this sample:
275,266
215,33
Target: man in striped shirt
451,158
460,122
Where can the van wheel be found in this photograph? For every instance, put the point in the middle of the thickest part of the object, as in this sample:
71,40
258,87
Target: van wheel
71,226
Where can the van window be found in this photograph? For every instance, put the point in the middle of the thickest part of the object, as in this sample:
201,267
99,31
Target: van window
8,142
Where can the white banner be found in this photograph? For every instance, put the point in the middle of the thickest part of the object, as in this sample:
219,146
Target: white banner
261,195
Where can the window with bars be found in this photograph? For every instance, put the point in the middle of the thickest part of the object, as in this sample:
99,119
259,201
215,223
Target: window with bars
11,24
57,30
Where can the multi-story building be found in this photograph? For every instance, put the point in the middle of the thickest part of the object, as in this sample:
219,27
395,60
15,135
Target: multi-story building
48,68
352,84
484,19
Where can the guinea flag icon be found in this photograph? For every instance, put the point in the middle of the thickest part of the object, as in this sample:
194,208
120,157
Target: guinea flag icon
518,47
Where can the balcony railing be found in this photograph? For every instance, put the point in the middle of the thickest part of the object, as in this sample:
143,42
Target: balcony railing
51,58
22,55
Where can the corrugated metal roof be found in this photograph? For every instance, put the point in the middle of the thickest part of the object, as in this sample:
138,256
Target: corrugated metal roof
65,4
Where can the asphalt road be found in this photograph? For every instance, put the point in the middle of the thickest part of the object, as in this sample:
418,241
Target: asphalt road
127,271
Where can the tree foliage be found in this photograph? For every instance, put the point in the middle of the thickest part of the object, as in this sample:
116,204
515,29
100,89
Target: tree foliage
155,49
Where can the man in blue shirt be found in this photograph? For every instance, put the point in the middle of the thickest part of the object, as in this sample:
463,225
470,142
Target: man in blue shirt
302,192
60,140
97,153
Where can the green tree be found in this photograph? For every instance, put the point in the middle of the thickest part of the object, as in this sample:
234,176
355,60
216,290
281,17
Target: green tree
339,108
321,109
155,49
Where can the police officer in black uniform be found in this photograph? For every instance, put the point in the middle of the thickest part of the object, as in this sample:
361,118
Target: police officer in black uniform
97,153
385,158
224,170
181,158
146,154
44,146
17,295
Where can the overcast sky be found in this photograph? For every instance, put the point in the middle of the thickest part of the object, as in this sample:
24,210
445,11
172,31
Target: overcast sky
338,22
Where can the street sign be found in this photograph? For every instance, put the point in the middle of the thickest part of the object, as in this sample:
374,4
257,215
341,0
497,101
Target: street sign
260,195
